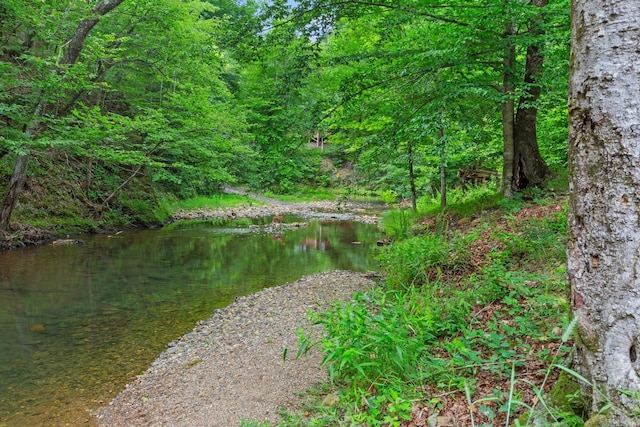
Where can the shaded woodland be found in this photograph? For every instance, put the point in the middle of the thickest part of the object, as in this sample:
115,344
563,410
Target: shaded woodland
110,108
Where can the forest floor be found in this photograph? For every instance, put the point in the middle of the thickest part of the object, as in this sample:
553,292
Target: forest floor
532,374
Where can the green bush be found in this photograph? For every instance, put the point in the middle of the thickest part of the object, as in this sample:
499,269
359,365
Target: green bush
375,342
462,202
376,338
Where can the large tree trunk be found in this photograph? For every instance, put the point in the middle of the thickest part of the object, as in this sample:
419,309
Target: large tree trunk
74,47
19,175
13,190
604,204
529,168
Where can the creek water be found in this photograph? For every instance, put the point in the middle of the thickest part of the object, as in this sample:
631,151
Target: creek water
78,322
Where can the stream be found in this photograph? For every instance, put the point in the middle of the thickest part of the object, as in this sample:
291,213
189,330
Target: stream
77,322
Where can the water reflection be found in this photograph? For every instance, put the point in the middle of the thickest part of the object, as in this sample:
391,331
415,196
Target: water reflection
78,322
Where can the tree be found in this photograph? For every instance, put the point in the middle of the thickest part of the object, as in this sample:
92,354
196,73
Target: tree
529,168
191,133
144,94
402,98
604,204
270,89
73,48
507,110
482,45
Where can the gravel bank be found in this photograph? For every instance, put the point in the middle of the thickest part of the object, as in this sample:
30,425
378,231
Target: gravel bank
231,367
321,210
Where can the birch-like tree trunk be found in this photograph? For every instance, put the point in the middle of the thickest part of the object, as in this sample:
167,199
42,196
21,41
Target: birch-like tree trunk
604,205
412,176
443,169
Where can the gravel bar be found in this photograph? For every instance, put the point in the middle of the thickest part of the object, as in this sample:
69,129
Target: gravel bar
231,366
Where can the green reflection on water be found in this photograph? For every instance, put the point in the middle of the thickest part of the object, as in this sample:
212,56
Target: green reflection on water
78,322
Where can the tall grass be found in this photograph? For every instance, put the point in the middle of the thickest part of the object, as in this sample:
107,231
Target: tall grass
462,202
443,319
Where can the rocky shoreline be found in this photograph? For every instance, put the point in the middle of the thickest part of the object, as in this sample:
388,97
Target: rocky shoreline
232,366
321,210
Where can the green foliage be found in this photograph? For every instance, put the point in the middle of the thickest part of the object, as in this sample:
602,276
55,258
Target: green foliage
254,423
404,85
376,338
196,95
443,321
559,182
415,260
305,194
144,100
279,116
397,223
389,196
538,244
462,202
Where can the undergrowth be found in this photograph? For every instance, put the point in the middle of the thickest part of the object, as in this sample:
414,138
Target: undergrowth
69,195
470,323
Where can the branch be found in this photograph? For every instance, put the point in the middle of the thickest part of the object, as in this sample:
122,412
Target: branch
76,43
300,13
410,77
120,187
358,93
410,11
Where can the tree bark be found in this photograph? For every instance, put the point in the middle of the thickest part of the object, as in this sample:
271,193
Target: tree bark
74,47
13,190
604,204
529,168
76,44
19,175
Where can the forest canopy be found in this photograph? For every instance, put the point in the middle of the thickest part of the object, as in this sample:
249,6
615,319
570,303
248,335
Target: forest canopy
182,98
